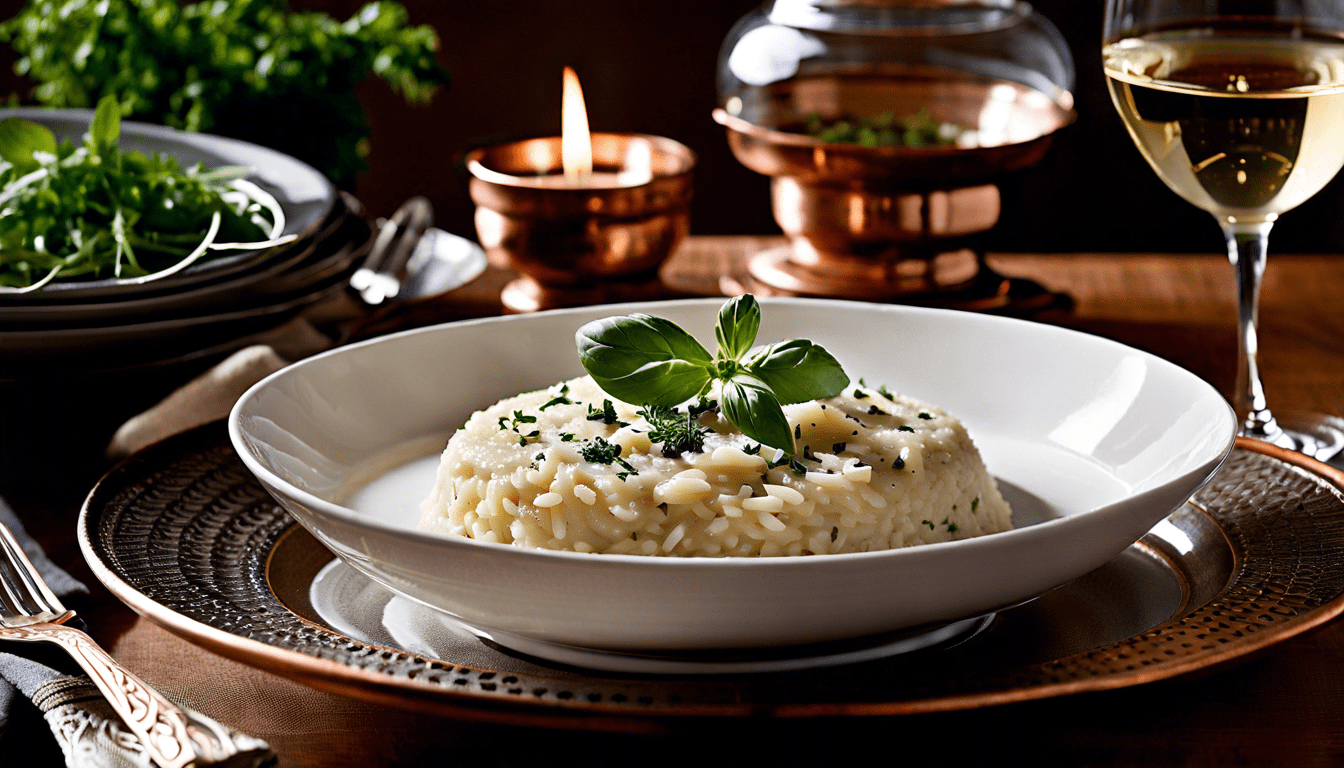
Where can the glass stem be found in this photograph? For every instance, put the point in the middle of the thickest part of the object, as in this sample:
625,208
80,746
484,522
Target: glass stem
1246,246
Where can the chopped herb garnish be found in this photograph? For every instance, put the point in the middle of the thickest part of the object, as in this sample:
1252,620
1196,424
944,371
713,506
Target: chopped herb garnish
873,410
882,390
928,523
797,467
560,399
952,528
752,450
599,451
860,394
606,415
566,437
925,416
678,434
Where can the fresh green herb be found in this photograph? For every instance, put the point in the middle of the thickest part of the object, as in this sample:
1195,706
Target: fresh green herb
559,399
606,414
859,394
704,405
952,528
928,523
215,67
919,131
94,211
873,410
599,451
975,503
925,416
678,434
882,390
566,437
651,361
752,450
905,428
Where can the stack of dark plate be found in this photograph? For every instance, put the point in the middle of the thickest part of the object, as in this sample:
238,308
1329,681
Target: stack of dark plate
112,325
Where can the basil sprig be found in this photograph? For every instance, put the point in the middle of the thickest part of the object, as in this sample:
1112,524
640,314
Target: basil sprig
651,361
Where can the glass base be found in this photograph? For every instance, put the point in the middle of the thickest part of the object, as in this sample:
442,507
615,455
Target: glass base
1315,434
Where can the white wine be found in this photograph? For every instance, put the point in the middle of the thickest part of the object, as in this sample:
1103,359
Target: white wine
1244,126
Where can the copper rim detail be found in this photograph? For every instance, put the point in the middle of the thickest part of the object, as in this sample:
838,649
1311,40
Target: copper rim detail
1260,487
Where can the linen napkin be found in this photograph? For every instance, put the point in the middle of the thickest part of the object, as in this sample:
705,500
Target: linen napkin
85,728
210,396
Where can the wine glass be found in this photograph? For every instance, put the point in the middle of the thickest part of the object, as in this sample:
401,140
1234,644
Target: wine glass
1238,105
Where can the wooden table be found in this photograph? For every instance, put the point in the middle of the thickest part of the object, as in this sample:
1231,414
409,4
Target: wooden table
1286,707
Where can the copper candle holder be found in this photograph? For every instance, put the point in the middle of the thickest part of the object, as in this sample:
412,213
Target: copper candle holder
591,240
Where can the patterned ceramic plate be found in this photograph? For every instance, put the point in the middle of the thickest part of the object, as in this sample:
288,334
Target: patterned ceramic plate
184,535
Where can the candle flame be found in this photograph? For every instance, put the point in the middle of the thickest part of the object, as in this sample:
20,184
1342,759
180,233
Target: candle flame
576,145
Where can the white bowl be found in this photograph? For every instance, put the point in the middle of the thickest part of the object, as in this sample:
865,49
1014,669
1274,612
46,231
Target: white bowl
1093,442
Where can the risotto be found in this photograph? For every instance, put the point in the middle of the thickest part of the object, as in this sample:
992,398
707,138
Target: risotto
569,468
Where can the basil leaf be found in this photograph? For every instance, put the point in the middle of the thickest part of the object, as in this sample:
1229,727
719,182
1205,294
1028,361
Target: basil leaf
753,408
739,320
644,360
19,139
106,127
798,370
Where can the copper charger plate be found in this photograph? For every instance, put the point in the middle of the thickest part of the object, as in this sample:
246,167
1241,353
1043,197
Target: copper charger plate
184,535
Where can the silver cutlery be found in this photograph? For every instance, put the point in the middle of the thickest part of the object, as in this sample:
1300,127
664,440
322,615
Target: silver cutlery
30,611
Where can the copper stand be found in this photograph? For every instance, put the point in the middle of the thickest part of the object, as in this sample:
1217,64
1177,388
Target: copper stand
891,224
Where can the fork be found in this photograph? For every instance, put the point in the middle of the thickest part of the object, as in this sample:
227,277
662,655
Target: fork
30,611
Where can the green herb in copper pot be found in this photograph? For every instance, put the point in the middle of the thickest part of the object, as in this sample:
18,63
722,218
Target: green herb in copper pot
918,131
250,69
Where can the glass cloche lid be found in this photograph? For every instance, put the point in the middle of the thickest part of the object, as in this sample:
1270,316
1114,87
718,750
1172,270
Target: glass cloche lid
898,73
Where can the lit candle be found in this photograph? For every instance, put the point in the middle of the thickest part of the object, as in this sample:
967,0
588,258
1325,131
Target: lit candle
634,168
576,144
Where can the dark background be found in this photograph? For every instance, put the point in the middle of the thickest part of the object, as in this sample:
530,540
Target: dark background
650,68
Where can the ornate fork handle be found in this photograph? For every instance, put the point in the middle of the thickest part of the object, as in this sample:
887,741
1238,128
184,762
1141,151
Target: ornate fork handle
172,737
